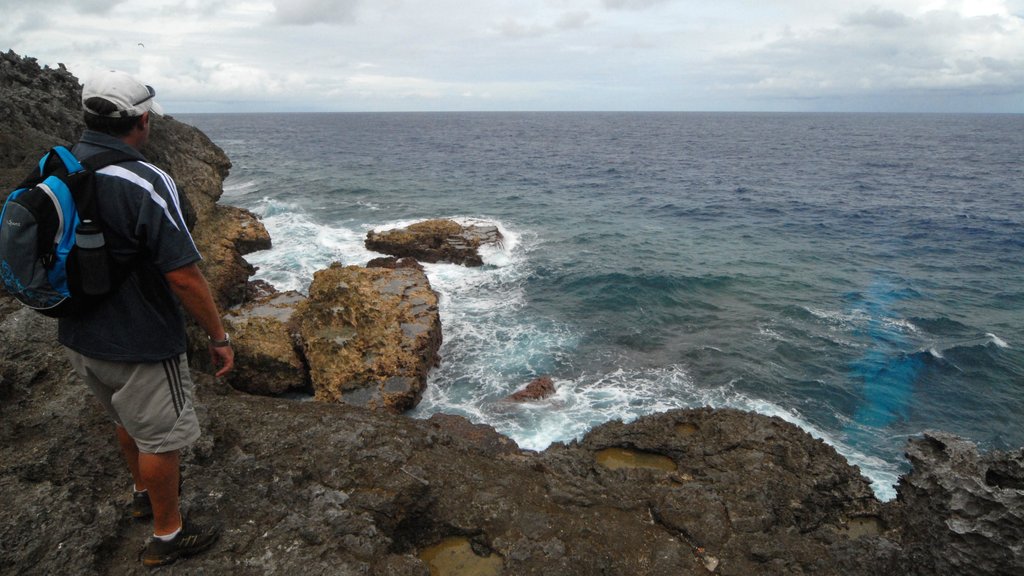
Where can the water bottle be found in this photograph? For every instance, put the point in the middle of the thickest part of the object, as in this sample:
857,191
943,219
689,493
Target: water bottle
93,260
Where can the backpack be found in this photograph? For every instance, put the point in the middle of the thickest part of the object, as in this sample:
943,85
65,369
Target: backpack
53,256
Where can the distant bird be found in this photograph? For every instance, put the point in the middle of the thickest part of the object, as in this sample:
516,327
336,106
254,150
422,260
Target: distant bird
141,44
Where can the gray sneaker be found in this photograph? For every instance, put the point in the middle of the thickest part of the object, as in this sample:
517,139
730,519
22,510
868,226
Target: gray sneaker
193,539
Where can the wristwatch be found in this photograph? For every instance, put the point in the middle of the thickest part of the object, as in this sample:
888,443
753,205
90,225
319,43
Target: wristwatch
221,343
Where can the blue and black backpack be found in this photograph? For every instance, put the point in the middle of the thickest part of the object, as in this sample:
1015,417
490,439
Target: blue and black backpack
53,256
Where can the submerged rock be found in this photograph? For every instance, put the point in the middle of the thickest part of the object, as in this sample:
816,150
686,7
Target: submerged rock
537,389
436,241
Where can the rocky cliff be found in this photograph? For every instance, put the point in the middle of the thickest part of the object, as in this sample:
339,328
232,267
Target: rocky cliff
333,488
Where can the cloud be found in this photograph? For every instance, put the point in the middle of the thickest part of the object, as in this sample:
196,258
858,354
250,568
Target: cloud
631,4
100,7
537,54
307,12
516,28
879,51
878,18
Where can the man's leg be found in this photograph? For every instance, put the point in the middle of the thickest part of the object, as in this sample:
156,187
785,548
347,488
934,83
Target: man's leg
130,450
159,474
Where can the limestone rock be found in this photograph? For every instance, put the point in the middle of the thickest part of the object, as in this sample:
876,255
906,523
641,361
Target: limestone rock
265,339
967,504
435,241
370,335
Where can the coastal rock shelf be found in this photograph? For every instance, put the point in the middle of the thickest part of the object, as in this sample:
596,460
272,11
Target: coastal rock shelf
333,488
436,241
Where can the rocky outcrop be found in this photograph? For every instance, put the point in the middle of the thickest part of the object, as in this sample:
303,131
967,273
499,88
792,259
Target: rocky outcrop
537,389
370,335
969,505
328,488
435,241
267,343
40,109
365,336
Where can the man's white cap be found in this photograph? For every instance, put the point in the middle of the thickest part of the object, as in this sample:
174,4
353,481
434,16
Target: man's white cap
128,96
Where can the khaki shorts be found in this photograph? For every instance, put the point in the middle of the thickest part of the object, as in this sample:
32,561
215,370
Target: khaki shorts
153,401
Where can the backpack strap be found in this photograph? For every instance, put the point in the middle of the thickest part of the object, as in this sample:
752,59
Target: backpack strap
85,194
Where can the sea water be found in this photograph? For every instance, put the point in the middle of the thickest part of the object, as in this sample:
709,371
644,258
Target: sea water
858,275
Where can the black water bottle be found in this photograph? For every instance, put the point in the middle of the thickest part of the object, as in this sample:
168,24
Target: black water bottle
93,260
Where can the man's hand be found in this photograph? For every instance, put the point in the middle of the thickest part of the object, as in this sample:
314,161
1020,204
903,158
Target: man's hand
222,357
189,285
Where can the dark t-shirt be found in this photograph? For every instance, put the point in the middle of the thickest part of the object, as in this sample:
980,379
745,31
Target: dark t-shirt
141,210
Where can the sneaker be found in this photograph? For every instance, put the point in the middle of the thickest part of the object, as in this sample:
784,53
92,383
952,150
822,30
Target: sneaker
193,539
141,507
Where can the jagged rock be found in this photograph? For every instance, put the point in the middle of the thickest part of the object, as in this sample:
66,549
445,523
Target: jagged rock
537,389
435,241
968,505
257,289
370,335
266,345
40,108
391,262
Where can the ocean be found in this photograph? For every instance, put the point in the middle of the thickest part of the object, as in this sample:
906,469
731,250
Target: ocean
858,275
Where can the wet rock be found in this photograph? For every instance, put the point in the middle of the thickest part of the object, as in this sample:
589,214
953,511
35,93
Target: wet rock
435,241
257,289
391,262
370,335
537,389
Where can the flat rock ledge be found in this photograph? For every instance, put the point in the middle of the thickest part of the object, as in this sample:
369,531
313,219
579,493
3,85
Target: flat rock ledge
436,241
363,336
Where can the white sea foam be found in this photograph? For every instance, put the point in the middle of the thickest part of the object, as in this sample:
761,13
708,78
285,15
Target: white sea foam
997,340
494,343
236,187
302,246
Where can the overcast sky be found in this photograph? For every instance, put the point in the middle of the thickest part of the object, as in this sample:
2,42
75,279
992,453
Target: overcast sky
371,55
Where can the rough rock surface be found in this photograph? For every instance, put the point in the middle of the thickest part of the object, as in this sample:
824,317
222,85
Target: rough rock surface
971,506
367,336
329,488
537,389
267,343
435,241
39,110
325,488
370,335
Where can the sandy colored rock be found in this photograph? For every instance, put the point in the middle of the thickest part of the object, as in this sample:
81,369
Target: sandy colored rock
370,335
265,339
435,241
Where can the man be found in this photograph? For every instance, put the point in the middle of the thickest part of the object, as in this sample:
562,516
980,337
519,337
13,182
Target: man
130,348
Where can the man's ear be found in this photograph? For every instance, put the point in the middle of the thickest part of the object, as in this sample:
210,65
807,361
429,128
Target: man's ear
143,121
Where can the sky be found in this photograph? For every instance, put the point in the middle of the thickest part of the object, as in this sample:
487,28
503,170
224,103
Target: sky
540,55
